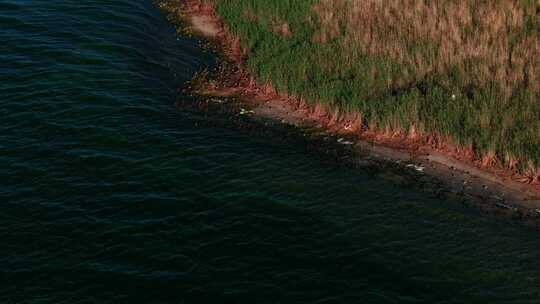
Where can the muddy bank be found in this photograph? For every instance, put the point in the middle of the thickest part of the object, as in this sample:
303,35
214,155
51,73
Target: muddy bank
492,188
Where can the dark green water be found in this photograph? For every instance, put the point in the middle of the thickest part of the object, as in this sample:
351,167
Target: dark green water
110,193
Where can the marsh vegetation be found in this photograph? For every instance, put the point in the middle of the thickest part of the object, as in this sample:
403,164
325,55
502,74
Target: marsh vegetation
465,71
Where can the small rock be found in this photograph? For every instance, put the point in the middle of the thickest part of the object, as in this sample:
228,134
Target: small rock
416,167
344,142
245,112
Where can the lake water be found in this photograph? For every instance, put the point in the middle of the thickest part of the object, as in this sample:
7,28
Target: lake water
112,193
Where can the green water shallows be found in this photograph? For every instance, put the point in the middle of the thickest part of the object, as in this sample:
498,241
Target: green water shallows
112,194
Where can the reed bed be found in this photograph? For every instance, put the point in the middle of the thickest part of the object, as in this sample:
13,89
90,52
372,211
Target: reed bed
466,70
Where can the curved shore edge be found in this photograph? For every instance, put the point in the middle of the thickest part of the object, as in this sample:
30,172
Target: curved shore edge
499,189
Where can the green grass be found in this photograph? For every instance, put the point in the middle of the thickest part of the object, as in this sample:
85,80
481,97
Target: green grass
463,98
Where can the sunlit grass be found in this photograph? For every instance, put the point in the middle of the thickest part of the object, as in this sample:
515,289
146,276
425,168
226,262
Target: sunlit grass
465,69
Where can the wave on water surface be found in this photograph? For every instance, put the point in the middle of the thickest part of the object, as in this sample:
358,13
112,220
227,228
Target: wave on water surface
112,194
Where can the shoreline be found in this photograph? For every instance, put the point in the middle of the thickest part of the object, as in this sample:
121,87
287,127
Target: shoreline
459,168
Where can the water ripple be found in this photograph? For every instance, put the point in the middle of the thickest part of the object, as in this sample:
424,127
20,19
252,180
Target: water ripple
111,194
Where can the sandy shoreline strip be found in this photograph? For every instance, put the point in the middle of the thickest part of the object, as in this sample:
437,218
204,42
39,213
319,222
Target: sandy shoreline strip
500,190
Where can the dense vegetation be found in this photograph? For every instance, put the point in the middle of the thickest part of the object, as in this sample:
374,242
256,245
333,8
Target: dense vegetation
468,69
